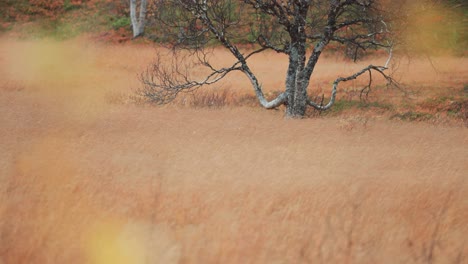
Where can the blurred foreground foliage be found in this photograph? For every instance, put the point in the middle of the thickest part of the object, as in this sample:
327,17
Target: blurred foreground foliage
435,27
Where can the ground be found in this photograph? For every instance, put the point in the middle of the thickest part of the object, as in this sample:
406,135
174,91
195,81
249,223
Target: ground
90,175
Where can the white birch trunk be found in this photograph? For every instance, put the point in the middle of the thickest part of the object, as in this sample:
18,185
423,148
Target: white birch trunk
138,23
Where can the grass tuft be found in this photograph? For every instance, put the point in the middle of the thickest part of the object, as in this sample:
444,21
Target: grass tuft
412,116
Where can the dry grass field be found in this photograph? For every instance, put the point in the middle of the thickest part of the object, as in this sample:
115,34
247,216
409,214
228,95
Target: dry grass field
89,176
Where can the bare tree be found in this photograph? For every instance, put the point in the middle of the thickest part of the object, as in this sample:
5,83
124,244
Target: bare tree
300,29
138,22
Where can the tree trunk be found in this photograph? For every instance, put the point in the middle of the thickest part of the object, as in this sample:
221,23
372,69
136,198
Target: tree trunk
297,102
297,80
138,23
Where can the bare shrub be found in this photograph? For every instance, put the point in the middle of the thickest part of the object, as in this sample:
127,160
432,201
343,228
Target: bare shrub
211,99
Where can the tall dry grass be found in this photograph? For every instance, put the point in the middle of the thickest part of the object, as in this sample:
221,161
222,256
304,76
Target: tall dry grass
88,181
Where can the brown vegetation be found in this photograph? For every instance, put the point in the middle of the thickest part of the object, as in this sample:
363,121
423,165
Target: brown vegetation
88,176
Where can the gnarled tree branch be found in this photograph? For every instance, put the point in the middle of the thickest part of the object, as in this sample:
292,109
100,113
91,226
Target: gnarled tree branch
369,69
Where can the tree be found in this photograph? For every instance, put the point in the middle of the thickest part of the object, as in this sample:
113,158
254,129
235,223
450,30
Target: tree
301,29
138,23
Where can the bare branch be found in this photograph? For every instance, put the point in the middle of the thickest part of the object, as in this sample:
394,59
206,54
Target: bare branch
379,69
265,43
161,83
366,88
